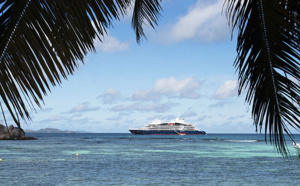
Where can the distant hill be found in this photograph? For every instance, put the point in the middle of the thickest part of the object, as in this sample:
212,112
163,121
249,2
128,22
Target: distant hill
52,130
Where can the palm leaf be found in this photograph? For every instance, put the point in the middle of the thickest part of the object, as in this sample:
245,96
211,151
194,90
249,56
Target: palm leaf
44,40
148,10
268,63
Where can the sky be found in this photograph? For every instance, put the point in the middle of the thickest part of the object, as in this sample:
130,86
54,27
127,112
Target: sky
184,69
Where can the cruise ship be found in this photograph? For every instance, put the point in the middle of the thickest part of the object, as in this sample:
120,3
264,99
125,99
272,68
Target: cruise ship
176,127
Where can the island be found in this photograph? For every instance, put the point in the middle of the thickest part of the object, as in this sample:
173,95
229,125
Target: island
53,130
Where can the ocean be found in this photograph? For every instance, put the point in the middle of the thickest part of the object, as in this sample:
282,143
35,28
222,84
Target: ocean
126,159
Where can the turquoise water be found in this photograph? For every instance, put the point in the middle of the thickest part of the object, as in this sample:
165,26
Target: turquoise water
125,159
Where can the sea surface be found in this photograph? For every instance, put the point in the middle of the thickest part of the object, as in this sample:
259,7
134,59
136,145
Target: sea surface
125,159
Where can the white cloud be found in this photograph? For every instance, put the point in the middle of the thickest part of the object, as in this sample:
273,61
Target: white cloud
116,118
110,44
84,107
146,95
55,118
155,107
203,22
170,87
188,114
110,96
203,118
228,89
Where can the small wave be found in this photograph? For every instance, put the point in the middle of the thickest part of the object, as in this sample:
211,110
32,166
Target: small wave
217,139
88,137
243,141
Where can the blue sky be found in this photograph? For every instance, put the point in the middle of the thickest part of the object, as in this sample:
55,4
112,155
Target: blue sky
184,69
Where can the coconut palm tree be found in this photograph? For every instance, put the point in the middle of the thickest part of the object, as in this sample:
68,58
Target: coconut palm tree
43,40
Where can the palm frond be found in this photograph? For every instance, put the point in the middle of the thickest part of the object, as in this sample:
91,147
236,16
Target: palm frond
44,40
148,10
268,63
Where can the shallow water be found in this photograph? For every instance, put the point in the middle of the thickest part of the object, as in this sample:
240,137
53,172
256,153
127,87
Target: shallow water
125,159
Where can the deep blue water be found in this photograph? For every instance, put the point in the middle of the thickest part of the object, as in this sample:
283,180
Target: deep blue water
125,159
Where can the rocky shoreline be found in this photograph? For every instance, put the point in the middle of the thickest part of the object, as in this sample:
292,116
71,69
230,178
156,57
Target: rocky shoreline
13,133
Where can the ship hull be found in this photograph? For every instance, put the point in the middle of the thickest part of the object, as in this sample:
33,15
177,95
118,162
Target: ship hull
166,132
